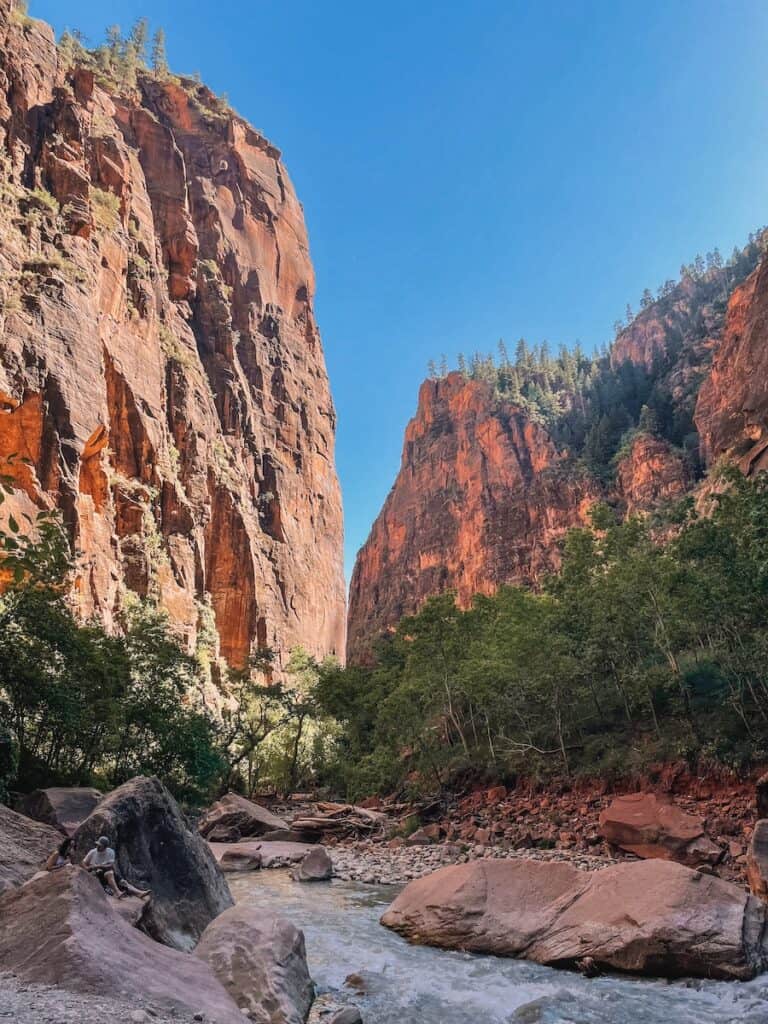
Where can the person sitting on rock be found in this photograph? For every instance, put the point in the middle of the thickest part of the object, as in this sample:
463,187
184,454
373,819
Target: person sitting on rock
60,856
100,861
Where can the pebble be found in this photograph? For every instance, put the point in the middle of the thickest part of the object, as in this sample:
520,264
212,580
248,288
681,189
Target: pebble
376,864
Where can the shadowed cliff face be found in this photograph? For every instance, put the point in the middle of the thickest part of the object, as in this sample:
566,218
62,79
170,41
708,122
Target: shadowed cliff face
160,364
482,498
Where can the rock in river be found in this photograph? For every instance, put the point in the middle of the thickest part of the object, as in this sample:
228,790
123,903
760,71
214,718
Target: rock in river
260,960
652,917
316,866
156,850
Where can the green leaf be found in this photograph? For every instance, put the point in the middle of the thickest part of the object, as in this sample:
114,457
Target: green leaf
13,524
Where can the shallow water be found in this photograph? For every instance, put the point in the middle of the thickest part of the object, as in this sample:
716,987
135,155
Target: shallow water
417,985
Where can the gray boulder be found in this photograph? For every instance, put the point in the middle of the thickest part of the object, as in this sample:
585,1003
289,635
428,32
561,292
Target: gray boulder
63,807
261,961
316,866
349,1015
156,850
24,847
234,813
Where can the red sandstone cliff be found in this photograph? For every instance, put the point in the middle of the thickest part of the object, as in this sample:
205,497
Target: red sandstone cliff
732,405
160,364
650,475
482,498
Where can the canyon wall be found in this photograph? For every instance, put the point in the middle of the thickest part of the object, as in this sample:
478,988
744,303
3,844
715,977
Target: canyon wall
484,495
160,365
482,498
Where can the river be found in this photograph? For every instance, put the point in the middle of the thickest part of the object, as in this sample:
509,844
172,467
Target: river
417,985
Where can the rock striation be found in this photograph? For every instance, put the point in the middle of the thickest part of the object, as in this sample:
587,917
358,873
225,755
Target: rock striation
24,847
161,368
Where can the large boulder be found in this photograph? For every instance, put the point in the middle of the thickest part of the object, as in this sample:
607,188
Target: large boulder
316,866
24,847
757,860
260,960
234,812
651,917
156,850
63,807
268,854
652,827
61,929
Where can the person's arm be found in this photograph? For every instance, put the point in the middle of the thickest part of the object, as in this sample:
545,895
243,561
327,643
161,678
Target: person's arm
50,864
87,860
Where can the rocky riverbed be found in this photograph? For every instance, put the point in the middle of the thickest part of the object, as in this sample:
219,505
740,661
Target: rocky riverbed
378,864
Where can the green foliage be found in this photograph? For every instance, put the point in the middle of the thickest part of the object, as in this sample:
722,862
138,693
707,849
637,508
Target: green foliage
106,209
589,403
636,652
80,705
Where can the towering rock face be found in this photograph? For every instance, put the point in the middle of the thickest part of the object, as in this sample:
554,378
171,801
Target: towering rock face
482,498
160,364
484,494
732,405
651,474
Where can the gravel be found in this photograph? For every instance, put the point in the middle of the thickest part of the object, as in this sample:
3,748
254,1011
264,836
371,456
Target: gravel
22,1003
375,864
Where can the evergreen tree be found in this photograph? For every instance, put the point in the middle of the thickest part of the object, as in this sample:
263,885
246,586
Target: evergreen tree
159,58
647,299
114,45
139,38
432,370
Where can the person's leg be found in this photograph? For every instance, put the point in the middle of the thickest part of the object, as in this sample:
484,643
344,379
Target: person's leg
133,891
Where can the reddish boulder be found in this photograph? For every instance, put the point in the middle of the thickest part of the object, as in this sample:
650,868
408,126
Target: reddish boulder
61,929
757,860
651,917
235,813
650,827
24,847
63,807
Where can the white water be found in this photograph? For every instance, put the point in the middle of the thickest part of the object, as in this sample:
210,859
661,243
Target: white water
418,985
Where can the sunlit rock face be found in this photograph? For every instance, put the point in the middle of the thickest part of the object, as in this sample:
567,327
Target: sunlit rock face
160,364
482,498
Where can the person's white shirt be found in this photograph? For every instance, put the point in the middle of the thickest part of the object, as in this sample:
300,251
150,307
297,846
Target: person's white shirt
97,858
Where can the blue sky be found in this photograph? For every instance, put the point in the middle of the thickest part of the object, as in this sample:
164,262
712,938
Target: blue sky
474,169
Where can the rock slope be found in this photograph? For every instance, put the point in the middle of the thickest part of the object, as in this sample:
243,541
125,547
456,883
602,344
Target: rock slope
160,365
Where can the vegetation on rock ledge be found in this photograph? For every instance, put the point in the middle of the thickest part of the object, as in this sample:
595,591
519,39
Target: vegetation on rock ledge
637,652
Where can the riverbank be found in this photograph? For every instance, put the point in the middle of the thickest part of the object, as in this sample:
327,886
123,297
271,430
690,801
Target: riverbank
379,864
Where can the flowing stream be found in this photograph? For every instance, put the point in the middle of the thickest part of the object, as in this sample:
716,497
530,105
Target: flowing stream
417,985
